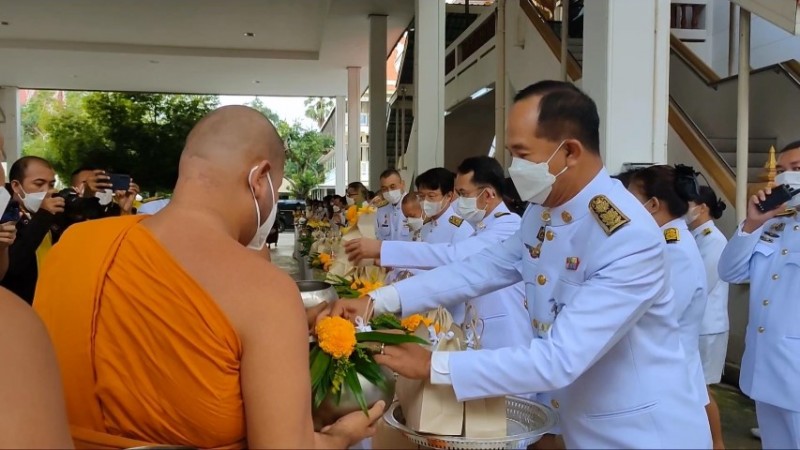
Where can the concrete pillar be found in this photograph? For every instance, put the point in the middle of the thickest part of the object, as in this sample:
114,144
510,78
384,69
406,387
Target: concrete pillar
377,98
340,152
11,127
353,124
626,71
429,84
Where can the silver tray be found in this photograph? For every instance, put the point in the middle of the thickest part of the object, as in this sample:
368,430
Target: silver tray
526,422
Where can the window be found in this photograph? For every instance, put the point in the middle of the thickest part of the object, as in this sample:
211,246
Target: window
364,119
364,170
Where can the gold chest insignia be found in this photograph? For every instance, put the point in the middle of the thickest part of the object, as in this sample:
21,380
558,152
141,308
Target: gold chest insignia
607,214
707,231
381,203
671,235
455,220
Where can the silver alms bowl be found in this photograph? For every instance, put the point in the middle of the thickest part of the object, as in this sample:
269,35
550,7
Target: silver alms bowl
329,412
315,292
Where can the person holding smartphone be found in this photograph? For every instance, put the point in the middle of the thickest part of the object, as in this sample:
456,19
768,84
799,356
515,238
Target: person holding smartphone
32,184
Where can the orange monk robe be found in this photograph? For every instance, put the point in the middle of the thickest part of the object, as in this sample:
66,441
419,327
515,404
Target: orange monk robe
146,355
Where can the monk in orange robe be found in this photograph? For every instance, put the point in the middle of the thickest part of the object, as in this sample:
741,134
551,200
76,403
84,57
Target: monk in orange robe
32,412
172,331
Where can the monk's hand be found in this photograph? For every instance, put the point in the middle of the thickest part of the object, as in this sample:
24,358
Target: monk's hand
355,426
314,312
8,234
362,248
412,361
348,308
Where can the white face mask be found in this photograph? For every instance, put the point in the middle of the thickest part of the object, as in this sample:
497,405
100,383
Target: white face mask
533,180
792,178
350,201
432,208
32,201
693,214
394,196
415,223
105,196
260,239
336,209
467,208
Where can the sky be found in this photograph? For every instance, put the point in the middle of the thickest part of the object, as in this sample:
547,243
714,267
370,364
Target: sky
290,109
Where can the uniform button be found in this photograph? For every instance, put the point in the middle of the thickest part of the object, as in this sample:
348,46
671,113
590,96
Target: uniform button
775,276
796,227
546,216
765,302
554,403
550,235
760,329
566,216
784,252
541,279
525,303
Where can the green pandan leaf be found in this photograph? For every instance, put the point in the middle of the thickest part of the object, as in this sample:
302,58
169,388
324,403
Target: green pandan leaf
355,386
319,367
386,321
389,338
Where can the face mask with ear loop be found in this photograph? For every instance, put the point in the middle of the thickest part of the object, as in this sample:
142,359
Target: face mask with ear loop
260,239
533,181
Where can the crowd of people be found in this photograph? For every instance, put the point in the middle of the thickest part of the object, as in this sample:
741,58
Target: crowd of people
603,297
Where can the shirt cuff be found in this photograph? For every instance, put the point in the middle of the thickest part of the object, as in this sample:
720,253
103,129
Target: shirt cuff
387,300
440,368
740,230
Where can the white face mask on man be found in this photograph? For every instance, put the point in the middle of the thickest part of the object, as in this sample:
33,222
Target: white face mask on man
467,208
431,209
393,196
415,223
260,239
791,178
33,201
534,180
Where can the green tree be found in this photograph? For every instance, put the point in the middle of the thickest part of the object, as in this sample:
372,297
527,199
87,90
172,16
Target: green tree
139,134
318,108
258,105
304,148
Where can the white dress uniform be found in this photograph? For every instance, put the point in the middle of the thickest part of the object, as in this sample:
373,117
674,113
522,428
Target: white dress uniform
688,280
715,325
503,313
770,259
445,230
391,224
611,354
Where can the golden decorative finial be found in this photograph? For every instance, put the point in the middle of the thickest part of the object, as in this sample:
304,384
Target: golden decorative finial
771,167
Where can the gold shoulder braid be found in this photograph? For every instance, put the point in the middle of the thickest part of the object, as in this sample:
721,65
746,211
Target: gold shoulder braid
671,235
455,220
501,214
788,212
607,214
381,203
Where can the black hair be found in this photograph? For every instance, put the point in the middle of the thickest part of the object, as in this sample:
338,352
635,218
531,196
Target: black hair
625,177
358,186
512,198
709,198
20,166
675,186
389,172
565,112
790,146
485,171
436,178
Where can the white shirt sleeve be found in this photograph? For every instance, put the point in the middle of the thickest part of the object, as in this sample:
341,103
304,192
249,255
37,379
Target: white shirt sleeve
387,300
440,368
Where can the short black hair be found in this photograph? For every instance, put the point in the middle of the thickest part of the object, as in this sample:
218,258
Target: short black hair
790,146
389,172
668,184
358,186
565,112
20,166
436,178
709,198
485,171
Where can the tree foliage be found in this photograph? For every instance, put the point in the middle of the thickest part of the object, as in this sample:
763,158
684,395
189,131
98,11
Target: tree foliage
139,134
304,148
259,106
317,109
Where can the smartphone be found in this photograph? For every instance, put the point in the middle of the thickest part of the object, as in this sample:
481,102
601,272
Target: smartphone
779,195
119,182
11,213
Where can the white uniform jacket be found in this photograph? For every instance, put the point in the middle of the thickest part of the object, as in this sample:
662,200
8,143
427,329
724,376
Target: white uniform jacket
390,223
448,228
711,243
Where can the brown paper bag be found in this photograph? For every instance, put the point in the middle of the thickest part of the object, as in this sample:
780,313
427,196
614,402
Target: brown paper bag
430,408
387,438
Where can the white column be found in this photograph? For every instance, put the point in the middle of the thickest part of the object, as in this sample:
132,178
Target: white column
353,124
743,115
625,70
377,99
11,128
500,87
429,84
340,153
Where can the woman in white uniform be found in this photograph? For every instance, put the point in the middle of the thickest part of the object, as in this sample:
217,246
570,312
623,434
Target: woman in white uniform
715,326
665,192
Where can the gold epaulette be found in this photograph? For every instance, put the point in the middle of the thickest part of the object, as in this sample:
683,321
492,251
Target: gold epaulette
672,235
501,214
381,203
707,231
455,220
787,213
607,214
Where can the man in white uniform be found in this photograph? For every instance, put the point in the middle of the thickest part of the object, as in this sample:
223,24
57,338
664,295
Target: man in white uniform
390,222
436,189
610,353
479,183
766,251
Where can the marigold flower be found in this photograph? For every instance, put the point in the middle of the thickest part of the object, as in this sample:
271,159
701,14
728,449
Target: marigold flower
352,214
336,336
411,323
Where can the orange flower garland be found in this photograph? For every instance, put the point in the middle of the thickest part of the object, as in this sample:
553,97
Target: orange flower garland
336,336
